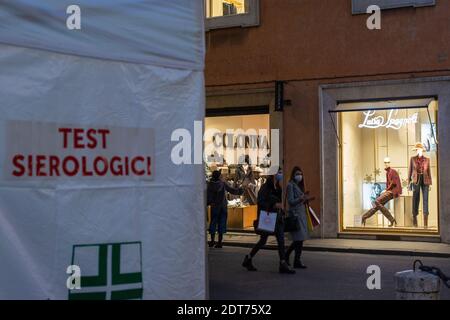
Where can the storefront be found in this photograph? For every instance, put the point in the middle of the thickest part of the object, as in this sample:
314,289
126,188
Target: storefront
370,133
369,127
239,148
238,142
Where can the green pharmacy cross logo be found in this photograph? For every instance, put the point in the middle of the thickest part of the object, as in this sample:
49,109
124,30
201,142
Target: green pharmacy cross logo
111,271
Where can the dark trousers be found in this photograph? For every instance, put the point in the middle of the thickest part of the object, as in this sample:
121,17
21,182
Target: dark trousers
380,206
219,216
279,234
416,197
296,246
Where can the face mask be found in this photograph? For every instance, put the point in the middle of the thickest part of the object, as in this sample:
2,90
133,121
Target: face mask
298,178
279,177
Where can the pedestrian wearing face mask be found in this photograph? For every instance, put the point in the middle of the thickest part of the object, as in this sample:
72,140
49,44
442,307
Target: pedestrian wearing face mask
270,200
297,199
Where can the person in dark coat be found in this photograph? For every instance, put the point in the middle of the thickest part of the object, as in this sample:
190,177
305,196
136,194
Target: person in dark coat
244,172
216,198
246,179
270,200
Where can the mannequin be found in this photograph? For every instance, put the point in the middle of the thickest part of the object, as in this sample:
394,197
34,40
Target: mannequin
393,190
419,178
245,179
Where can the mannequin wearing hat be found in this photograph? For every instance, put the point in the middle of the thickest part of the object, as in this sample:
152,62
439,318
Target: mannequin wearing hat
245,178
419,178
393,190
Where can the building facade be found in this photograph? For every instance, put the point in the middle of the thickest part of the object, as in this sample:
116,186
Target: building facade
354,97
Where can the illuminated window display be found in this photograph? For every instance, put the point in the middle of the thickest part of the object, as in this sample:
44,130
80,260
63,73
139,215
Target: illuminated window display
388,168
221,8
226,135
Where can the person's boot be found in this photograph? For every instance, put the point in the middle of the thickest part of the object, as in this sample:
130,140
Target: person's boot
415,221
219,244
212,242
299,265
297,262
248,264
288,255
284,268
425,221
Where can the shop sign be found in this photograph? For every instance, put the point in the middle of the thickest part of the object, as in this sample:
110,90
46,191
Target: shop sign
373,121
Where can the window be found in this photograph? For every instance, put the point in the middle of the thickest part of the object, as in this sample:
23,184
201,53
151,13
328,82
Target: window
371,137
360,6
220,8
231,13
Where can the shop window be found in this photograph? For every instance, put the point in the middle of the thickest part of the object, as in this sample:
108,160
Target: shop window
231,13
240,168
371,137
360,6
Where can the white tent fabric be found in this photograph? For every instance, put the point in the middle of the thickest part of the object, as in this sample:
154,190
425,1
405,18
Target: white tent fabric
132,237
163,33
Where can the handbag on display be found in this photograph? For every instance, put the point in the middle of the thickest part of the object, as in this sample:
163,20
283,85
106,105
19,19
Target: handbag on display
291,224
266,222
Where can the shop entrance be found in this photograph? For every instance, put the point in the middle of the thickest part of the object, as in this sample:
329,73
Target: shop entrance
388,167
238,145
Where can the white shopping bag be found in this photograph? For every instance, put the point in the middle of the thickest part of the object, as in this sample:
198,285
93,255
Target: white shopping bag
314,218
267,221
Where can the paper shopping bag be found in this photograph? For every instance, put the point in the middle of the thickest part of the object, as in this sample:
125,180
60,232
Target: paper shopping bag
267,221
314,218
309,220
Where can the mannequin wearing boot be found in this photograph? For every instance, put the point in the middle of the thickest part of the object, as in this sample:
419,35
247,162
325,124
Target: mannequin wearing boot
393,190
419,178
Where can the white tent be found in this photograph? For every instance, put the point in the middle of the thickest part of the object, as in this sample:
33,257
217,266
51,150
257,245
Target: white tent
86,177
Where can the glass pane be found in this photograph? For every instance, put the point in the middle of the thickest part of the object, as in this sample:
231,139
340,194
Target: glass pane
221,8
360,6
369,137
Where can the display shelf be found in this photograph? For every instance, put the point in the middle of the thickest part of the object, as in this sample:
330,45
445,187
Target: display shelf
239,218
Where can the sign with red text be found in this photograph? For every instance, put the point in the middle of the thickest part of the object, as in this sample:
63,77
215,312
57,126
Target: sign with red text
84,212
47,151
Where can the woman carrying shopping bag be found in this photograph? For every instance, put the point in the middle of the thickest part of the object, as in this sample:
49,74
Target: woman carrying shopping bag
297,200
269,201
